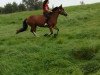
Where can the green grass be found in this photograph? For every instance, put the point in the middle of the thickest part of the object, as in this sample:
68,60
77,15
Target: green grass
76,50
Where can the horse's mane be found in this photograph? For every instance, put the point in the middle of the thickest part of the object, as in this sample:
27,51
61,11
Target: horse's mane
54,9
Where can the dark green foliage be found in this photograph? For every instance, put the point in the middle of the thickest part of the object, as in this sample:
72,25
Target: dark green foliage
1,10
11,8
14,7
90,67
8,8
26,5
33,4
86,52
21,7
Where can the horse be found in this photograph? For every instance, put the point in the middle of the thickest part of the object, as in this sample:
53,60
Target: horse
34,21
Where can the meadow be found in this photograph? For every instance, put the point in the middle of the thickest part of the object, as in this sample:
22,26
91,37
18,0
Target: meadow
75,51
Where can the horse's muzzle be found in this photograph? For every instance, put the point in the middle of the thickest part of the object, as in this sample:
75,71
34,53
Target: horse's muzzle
64,13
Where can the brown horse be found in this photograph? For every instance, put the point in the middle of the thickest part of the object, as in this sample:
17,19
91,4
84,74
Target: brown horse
34,21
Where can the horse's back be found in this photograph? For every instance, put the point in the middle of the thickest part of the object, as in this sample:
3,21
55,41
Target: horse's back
38,20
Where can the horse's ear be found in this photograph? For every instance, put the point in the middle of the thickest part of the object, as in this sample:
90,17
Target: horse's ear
60,6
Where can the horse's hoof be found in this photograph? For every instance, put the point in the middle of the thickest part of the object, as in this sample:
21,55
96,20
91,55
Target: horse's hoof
55,35
46,35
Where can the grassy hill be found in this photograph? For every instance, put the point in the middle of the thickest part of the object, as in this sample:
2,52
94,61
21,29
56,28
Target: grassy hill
76,51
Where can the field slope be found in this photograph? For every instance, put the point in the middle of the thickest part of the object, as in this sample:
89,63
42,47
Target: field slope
76,51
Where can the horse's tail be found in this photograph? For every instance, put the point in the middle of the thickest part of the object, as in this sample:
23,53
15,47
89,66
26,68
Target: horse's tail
25,26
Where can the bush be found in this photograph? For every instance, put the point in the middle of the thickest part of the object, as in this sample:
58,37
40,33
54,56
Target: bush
85,53
90,67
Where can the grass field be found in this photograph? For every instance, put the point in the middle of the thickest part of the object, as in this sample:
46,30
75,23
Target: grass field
76,50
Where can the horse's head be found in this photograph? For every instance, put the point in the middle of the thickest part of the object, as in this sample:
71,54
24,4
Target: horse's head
60,10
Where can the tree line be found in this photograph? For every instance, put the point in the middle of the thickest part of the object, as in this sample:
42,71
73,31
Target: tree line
25,5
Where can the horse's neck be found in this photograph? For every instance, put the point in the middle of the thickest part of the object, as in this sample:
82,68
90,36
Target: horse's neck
55,15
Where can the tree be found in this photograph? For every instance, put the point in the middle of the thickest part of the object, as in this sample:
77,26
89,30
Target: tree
38,5
1,10
14,7
32,4
8,8
21,7
82,2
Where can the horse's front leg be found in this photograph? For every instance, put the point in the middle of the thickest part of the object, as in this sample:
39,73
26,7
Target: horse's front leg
55,35
51,31
56,29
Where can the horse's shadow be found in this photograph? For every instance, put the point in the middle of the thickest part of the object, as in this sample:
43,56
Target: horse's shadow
53,36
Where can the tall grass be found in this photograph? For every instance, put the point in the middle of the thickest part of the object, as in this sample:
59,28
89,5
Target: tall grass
76,50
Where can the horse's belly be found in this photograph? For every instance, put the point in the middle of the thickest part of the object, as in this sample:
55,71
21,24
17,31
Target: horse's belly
41,25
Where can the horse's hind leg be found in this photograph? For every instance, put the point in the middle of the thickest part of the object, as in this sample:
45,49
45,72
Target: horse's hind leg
33,30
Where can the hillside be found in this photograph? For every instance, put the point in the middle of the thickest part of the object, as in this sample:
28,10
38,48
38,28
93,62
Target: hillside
76,50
